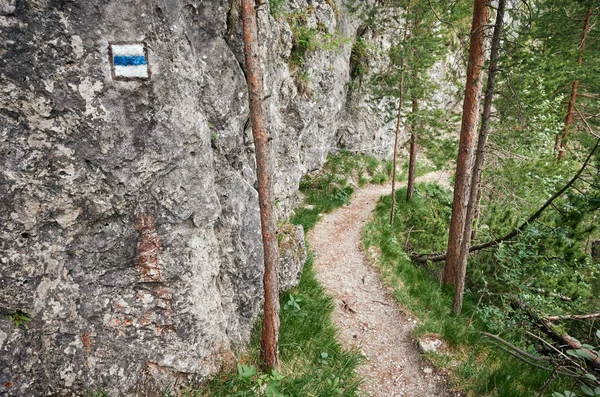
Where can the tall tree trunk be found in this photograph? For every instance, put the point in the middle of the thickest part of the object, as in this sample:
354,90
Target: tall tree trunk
477,213
412,162
461,270
269,350
393,210
395,156
466,144
574,88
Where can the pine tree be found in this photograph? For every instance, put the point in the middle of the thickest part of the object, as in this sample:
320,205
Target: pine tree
407,78
269,344
562,140
467,140
479,159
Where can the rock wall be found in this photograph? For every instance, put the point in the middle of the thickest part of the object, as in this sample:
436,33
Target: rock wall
129,231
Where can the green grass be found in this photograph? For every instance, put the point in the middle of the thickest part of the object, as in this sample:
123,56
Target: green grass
423,167
98,393
474,364
276,7
332,186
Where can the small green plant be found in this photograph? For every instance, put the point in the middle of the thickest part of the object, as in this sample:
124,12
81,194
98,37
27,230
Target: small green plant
293,303
254,384
303,84
334,385
362,181
304,39
359,65
167,391
342,195
276,7
323,358
98,393
379,179
19,318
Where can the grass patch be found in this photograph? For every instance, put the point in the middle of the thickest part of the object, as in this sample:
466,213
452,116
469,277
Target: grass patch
276,7
423,167
332,186
473,363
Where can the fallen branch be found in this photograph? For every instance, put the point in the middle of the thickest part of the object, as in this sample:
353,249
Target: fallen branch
572,317
592,358
516,349
530,359
422,258
542,291
383,303
582,370
564,365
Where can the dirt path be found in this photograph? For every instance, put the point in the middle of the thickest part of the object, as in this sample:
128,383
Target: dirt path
366,314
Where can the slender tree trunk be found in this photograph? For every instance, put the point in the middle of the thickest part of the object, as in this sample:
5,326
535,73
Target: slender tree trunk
573,98
466,144
562,139
269,351
393,210
479,159
477,213
412,163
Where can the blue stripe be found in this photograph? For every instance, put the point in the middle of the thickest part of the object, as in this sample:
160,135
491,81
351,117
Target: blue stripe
126,60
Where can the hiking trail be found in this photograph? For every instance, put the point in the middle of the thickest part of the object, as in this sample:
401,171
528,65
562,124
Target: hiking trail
366,313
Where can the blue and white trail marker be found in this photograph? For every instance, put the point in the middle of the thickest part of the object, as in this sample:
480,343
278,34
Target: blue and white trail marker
129,61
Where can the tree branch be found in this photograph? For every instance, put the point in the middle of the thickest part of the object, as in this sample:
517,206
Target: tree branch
422,258
572,317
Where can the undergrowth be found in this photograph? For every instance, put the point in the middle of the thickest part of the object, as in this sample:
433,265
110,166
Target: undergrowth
474,365
422,167
332,186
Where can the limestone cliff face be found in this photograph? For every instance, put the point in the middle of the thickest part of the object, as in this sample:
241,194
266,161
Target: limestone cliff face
129,228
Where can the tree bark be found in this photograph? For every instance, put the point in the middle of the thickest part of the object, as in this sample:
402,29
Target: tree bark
574,88
269,350
412,162
393,210
466,144
463,255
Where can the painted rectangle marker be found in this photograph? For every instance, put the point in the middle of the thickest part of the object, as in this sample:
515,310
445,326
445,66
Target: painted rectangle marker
129,61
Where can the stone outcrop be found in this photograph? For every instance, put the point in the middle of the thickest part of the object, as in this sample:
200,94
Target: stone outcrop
129,228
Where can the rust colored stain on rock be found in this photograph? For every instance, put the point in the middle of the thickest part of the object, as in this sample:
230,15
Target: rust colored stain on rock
148,249
87,343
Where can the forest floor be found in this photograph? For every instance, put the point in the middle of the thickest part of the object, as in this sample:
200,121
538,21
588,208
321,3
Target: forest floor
367,315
